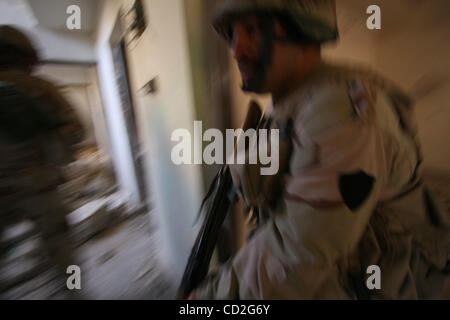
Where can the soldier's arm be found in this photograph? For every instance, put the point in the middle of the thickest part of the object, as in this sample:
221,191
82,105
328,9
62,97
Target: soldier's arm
71,127
66,130
326,208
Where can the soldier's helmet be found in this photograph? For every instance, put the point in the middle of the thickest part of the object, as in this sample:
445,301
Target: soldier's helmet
314,20
15,39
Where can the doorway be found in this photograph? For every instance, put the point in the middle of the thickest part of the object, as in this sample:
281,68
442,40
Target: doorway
121,72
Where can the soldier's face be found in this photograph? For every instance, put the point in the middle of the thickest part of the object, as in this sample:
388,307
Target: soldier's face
248,45
264,64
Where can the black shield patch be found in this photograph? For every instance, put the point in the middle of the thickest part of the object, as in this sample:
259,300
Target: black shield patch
355,188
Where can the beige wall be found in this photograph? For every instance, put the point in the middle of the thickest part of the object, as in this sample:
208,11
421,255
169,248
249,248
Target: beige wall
161,53
413,50
79,85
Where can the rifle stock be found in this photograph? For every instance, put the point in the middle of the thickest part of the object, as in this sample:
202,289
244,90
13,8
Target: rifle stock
200,257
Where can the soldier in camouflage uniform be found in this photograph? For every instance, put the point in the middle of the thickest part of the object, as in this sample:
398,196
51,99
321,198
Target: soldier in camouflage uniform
349,193
38,134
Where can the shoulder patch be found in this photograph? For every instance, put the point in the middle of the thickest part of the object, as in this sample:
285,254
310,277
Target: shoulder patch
355,188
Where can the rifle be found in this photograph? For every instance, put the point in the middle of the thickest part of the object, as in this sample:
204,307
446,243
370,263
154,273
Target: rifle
222,186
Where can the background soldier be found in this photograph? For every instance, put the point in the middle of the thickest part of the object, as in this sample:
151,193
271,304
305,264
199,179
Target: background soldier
39,131
350,170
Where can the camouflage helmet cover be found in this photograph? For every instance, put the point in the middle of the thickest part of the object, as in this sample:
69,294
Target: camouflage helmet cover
16,39
316,19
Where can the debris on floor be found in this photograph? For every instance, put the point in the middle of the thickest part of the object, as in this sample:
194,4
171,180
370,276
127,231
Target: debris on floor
113,241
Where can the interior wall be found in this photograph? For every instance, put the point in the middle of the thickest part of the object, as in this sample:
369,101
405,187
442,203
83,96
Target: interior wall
78,84
102,132
411,49
121,151
417,54
161,53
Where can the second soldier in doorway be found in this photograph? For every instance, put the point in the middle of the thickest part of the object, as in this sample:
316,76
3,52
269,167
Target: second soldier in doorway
349,193
38,134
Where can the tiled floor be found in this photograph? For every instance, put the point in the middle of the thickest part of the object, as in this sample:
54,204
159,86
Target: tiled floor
121,264
117,264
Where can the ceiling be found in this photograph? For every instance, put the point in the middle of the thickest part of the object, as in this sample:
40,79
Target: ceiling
50,14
